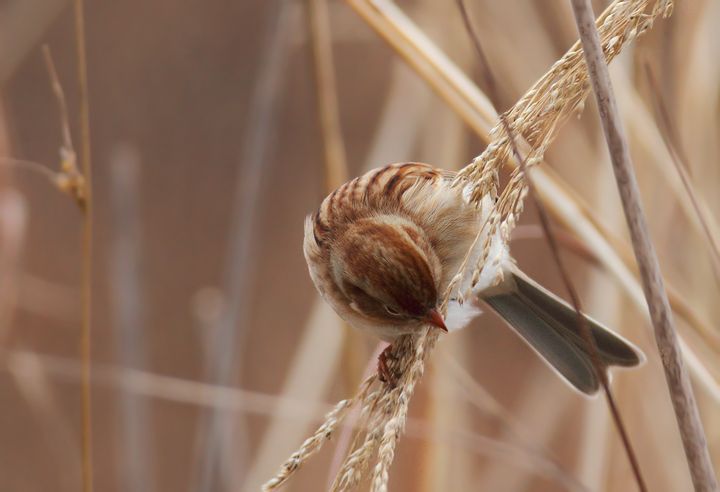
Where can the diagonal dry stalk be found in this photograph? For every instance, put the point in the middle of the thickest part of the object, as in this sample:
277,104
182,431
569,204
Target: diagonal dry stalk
680,160
383,417
538,115
86,206
223,456
69,180
568,207
536,118
555,250
678,380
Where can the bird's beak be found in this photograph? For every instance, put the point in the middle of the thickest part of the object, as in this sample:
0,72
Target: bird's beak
433,318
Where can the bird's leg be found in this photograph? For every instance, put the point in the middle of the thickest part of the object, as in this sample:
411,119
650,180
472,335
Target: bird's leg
384,373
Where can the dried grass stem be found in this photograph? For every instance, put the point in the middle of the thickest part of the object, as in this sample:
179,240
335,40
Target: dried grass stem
681,393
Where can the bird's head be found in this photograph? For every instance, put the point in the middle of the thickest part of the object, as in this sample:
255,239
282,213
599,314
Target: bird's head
387,270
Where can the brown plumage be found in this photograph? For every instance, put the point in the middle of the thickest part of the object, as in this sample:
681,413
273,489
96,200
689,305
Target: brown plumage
383,248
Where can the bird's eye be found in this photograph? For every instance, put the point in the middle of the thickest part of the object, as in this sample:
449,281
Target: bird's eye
392,311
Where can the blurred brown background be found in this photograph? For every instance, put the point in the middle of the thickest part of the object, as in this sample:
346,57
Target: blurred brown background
207,155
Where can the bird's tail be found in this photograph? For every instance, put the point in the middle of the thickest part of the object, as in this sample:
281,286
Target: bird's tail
551,327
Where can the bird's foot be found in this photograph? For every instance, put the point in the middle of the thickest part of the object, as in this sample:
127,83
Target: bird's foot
386,375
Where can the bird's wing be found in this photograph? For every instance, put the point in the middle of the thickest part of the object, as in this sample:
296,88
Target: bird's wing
551,327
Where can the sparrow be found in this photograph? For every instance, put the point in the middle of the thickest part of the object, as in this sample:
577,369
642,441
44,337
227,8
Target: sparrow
383,248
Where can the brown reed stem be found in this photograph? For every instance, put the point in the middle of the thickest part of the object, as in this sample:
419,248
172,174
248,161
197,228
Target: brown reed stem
679,158
555,250
85,346
575,300
328,108
678,381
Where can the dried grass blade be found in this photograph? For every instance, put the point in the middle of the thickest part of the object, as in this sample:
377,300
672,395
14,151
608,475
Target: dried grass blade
86,205
308,377
328,108
678,380
224,456
564,204
135,431
679,158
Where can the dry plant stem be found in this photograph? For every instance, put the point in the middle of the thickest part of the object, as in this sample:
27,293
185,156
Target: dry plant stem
224,456
186,392
314,443
575,300
86,249
31,166
555,250
383,417
134,431
329,111
336,171
69,180
679,158
681,393
452,85
60,96
445,78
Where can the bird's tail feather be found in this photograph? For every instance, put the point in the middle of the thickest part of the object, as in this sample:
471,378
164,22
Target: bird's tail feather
551,327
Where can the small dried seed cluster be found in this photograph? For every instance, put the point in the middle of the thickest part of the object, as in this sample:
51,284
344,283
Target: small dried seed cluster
535,121
382,419
537,118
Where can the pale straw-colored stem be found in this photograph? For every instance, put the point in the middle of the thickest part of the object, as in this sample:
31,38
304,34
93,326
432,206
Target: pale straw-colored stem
134,431
328,108
225,454
86,205
681,393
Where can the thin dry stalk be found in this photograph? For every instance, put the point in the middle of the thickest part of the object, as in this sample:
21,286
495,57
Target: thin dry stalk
461,94
135,432
384,412
423,55
679,158
86,206
575,299
329,111
427,59
555,250
186,392
682,397
173,389
540,113
224,455
537,117
31,378
69,180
